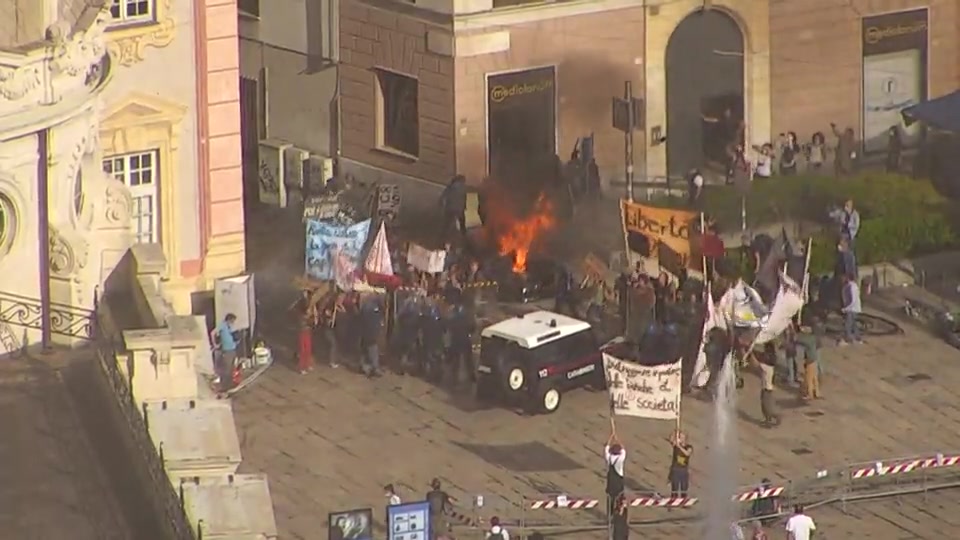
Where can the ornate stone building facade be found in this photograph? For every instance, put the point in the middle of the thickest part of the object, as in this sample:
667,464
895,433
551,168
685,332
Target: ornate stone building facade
444,86
119,124
64,225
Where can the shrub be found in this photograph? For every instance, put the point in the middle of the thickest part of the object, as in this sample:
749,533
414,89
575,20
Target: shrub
899,216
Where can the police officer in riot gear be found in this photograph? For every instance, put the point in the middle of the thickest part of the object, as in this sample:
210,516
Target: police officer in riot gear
462,325
371,325
432,336
407,331
565,299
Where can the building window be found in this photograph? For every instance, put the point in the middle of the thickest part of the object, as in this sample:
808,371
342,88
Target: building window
139,172
8,224
78,197
398,126
249,7
131,11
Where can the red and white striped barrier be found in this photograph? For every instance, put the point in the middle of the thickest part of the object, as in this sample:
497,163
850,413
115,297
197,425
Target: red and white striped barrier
664,502
563,502
879,469
758,494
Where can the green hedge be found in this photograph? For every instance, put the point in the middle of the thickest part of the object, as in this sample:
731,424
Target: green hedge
899,216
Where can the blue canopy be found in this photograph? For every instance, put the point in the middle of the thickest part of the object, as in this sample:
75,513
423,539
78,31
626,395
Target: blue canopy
942,113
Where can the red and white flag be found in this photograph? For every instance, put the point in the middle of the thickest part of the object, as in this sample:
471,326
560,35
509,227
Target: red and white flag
378,260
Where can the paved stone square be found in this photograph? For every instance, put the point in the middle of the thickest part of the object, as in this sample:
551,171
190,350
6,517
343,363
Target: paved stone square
330,440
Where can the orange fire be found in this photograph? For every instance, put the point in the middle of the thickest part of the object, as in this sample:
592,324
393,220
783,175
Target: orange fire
518,234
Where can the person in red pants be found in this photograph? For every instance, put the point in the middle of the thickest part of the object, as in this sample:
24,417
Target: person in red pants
308,319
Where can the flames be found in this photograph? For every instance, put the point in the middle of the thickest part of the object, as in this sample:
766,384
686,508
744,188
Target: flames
515,235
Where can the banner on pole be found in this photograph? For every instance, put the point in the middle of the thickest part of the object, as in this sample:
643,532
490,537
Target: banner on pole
669,226
643,391
326,240
426,260
379,260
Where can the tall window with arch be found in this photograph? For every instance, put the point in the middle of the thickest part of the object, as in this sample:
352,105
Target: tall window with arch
139,171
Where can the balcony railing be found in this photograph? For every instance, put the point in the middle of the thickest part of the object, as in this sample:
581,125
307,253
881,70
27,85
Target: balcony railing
27,313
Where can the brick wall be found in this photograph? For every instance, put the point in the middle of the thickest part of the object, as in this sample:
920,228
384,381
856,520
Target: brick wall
371,38
816,65
594,55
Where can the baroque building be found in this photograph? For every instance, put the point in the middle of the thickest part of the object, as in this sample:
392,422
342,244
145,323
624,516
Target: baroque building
436,87
119,124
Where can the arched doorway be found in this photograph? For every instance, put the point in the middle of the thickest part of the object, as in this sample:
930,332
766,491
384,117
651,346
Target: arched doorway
705,101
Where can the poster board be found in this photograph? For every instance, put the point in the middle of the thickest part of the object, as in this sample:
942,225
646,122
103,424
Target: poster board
388,202
409,521
425,260
325,240
236,295
351,524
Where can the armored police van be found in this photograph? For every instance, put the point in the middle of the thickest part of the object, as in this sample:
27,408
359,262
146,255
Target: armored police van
532,359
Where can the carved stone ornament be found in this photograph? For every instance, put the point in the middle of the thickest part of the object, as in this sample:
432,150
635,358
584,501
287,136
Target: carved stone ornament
75,55
132,49
63,259
15,83
119,203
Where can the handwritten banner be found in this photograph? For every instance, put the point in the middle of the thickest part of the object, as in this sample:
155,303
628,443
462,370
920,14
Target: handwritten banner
669,226
321,207
326,240
643,391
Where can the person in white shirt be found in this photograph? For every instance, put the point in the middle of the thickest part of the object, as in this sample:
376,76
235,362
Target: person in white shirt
615,456
497,531
800,526
391,494
764,167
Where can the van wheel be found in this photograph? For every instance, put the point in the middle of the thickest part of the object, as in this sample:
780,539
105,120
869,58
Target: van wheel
515,380
550,398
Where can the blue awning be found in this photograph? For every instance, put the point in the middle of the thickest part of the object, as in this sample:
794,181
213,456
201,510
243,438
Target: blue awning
942,113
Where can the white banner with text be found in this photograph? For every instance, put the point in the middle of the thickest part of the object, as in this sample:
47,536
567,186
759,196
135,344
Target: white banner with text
643,391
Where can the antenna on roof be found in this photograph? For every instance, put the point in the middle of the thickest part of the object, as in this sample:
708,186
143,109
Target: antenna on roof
520,316
553,323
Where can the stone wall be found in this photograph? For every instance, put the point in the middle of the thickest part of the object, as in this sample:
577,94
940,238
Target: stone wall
371,38
593,53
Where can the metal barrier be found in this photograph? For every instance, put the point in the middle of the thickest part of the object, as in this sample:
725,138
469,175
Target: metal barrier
558,512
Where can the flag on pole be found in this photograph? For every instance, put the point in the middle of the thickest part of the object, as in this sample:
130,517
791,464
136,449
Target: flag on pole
714,319
379,260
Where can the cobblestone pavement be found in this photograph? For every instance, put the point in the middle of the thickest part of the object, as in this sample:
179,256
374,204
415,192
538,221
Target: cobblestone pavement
331,439
52,484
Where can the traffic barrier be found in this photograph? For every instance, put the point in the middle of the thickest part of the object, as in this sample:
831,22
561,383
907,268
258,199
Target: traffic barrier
904,466
759,493
664,502
563,502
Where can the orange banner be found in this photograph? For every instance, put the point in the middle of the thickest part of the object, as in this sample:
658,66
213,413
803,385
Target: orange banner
672,227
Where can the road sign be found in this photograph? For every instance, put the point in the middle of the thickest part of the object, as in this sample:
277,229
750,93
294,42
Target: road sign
409,521
622,111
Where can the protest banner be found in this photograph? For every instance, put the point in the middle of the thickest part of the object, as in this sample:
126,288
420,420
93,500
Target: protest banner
321,207
426,260
669,226
326,240
643,391
379,260
701,371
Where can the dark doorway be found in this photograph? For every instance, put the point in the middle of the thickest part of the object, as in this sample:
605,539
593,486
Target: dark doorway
705,108
521,122
250,137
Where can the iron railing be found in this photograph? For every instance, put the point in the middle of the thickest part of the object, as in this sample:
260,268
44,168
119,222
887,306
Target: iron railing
25,312
168,502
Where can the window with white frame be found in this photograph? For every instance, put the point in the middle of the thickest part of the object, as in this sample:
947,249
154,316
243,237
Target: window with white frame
140,173
131,11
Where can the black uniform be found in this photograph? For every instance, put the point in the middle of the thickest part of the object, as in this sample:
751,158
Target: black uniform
407,330
432,330
680,472
565,301
462,324
440,504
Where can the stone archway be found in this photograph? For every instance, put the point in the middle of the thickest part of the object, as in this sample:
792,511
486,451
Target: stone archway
704,90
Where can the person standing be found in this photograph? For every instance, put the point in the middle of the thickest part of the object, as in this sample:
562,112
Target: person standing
851,308
225,352
440,506
848,221
694,188
391,494
846,260
620,522
767,361
462,327
497,531
453,202
680,465
894,150
307,315
327,328
846,152
371,324
800,526
615,456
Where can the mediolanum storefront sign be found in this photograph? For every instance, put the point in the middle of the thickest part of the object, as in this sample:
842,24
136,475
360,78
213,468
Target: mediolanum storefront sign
895,32
501,93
